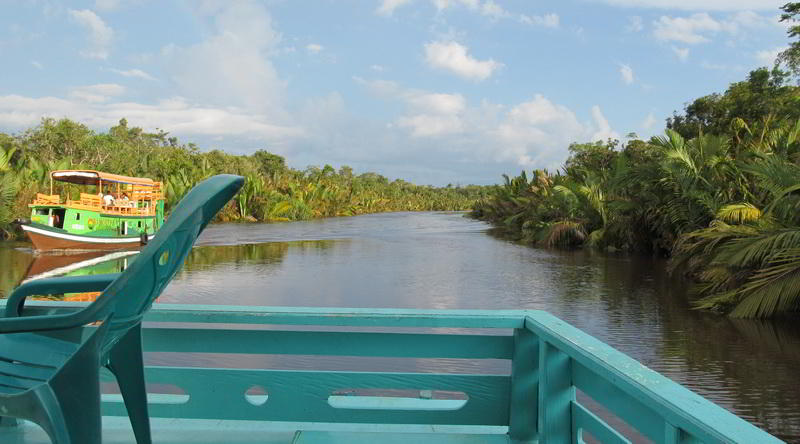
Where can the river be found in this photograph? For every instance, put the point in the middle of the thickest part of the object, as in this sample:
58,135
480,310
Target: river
444,260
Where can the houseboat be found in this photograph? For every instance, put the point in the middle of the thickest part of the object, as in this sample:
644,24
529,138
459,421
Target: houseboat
110,212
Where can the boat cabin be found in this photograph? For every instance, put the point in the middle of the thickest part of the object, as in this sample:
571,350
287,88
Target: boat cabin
109,205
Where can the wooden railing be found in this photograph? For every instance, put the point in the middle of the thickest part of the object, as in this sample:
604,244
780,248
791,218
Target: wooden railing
555,369
47,199
141,201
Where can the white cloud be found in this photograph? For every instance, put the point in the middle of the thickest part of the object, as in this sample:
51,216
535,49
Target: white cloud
138,73
767,57
444,4
492,9
378,68
175,115
37,65
100,34
700,5
534,133
648,122
548,20
387,7
635,24
682,53
687,30
454,57
537,133
698,27
232,66
314,48
603,128
98,93
626,72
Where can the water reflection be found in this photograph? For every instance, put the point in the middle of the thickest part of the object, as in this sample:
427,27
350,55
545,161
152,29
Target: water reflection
441,260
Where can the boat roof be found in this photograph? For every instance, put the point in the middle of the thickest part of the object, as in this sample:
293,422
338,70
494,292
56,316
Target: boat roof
92,177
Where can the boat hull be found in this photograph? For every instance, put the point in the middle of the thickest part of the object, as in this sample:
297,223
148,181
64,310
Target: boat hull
55,239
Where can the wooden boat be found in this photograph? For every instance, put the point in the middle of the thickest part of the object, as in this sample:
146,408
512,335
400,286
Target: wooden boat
114,212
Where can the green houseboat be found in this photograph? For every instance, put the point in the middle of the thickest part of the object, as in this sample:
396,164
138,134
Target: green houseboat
113,212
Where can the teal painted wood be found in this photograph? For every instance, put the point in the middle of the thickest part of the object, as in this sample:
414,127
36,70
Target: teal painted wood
404,345
65,402
555,395
653,405
523,409
694,415
302,396
647,421
585,421
304,437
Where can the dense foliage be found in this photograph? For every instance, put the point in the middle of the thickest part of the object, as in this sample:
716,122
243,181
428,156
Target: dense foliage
719,193
272,191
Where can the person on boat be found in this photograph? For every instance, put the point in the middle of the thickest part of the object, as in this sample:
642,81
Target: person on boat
108,199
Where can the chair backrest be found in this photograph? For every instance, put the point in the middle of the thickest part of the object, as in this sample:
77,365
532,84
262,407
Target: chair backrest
134,291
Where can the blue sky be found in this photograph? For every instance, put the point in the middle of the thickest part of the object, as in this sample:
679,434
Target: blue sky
431,91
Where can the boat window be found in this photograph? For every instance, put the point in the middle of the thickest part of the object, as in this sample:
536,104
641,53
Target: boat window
77,216
140,224
42,211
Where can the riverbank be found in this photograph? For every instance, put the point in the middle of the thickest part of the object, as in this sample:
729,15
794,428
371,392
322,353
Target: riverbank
272,191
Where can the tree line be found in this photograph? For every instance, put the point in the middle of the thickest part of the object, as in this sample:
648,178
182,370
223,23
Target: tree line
272,191
718,193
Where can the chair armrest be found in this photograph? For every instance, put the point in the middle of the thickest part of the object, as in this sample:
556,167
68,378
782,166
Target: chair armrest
52,322
57,285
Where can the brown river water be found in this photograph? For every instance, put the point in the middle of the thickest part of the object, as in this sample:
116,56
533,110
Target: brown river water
444,260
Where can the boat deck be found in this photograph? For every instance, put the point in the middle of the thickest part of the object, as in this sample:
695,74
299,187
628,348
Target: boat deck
212,378
175,431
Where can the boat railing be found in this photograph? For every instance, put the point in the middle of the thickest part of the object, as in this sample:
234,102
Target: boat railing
523,374
94,202
47,199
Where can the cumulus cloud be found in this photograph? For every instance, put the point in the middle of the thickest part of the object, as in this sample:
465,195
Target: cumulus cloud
626,72
232,66
689,30
454,57
137,73
98,93
697,27
533,133
174,114
37,65
100,34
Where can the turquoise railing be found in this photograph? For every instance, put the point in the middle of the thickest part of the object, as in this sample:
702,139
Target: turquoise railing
562,385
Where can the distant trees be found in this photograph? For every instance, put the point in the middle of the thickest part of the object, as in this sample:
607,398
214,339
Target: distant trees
272,191
719,193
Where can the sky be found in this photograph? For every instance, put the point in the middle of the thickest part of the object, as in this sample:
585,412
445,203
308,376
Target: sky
430,91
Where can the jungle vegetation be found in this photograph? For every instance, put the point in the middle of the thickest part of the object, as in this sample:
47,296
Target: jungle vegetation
718,193
272,190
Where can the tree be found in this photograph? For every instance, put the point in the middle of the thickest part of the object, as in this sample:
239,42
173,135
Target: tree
791,56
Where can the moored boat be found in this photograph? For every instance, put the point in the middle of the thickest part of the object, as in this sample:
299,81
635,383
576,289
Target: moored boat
112,212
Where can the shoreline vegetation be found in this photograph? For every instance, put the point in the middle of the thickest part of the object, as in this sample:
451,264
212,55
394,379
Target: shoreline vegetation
272,191
718,193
